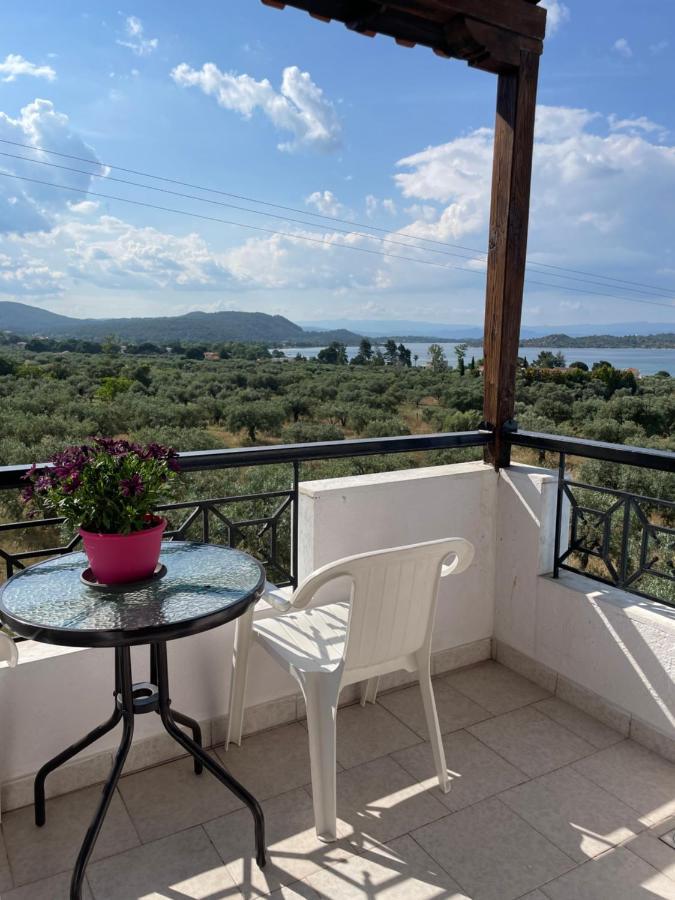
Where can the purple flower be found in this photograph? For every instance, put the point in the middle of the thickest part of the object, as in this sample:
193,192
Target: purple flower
27,493
43,483
132,486
29,474
72,484
113,446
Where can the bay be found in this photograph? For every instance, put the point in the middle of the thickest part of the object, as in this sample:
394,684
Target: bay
646,361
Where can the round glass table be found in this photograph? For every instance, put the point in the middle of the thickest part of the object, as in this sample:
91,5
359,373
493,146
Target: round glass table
204,585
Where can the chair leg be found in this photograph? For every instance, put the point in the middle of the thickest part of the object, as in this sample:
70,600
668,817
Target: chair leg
243,638
369,690
321,696
434,729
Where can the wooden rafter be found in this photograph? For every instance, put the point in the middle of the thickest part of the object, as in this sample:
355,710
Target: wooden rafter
487,34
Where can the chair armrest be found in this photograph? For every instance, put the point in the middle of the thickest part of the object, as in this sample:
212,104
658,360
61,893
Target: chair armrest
463,551
279,599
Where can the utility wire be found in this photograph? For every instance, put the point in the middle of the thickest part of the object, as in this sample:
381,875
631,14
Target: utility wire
256,212
306,238
617,281
389,240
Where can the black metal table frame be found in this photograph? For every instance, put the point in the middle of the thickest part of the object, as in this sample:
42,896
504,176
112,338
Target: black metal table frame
132,700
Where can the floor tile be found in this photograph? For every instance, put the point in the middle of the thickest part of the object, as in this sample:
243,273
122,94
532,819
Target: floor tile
36,853
619,875
495,687
184,866
662,826
531,741
578,722
573,813
369,732
635,775
293,848
400,870
382,801
55,888
169,798
492,852
5,874
476,772
454,710
657,853
272,762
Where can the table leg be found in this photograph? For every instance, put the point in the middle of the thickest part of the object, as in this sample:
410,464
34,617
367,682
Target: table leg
123,667
70,752
169,721
178,716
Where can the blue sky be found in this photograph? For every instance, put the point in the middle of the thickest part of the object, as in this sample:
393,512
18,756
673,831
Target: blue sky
279,107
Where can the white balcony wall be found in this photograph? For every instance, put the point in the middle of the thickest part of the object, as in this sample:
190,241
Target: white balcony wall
343,516
606,641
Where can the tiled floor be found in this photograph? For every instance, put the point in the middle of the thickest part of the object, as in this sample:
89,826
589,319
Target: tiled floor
545,803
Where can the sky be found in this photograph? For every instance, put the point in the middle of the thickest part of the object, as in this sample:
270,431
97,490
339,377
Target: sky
278,107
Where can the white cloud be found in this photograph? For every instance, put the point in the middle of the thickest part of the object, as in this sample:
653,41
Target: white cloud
598,196
658,47
25,206
136,40
640,124
299,107
623,48
113,253
26,276
326,203
15,65
83,207
557,13
373,204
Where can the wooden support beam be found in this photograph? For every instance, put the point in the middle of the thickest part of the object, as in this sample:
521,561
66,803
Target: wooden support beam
509,214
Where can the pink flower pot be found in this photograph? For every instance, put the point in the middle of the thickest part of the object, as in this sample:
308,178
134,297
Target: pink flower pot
121,558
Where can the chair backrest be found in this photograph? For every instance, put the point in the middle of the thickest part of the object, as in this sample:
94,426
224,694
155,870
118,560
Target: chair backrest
393,596
8,651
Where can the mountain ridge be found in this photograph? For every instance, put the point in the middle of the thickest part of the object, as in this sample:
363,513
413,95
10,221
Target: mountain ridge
225,325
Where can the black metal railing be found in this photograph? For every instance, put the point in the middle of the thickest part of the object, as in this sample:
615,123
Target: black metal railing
614,536
617,537
264,522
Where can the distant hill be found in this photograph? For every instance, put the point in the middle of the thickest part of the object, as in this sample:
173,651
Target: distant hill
420,331
22,319
664,340
228,325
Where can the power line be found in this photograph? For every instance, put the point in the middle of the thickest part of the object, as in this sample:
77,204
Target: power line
256,212
389,240
483,253
307,238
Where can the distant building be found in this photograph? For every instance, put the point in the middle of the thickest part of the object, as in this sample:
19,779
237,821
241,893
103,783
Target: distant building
210,354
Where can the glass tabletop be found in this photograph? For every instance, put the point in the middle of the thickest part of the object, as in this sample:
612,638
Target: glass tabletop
204,586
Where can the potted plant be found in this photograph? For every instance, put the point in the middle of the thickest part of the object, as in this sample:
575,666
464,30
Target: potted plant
108,490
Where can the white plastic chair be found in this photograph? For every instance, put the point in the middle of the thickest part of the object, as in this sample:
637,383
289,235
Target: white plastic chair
8,654
384,624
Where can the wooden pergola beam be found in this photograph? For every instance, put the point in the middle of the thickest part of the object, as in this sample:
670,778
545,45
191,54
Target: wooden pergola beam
509,214
505,37
488,34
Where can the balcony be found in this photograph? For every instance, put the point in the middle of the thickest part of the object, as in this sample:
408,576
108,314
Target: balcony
553,658
543,796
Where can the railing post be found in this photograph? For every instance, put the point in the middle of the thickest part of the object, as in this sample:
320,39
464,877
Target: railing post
294,524
558,515
625,536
